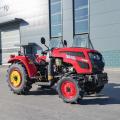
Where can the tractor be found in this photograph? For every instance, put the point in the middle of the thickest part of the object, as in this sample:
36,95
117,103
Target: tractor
74,71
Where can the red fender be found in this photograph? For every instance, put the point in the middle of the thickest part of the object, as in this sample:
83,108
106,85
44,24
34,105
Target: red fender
29,65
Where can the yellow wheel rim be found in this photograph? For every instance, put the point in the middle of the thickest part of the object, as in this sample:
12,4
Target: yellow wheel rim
15,78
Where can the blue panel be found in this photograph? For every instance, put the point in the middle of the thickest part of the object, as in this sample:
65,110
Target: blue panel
56,8
81,26
81,16
112,58
56,18
56,31
54,1
80,3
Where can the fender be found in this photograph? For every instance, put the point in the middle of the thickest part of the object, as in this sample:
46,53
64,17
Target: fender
29,65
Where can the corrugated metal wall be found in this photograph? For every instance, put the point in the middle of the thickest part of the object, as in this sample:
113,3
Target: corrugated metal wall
8,41
105,29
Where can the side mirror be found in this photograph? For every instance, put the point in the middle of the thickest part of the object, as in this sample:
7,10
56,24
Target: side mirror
65,43
43,40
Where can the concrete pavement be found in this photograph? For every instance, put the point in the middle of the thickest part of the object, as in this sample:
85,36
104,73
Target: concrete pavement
46,105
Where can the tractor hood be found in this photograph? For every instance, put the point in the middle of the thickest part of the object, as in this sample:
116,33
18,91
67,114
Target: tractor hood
72,49
92,60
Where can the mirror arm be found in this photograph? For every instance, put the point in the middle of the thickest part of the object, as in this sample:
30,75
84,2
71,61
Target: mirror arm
65,43
46,46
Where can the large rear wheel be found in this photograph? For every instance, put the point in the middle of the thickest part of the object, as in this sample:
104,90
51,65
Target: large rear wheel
69,90
18,80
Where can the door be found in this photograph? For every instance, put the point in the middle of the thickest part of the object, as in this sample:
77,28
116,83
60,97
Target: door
8,41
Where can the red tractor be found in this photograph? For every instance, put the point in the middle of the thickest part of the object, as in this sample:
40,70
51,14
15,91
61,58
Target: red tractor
74,71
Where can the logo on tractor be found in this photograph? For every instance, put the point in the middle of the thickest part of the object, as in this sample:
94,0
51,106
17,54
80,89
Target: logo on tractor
70,57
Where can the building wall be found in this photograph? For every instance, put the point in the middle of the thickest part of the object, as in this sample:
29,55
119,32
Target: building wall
105,29
104,23
68,21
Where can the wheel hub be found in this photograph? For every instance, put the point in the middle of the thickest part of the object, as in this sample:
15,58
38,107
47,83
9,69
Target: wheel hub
15,78
68,89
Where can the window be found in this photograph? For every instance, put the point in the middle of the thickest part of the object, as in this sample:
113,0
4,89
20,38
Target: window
81,27
80,40
55,18
80,16
56,43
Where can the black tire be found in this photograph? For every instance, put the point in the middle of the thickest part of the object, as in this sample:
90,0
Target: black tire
99,89
78,95
25,84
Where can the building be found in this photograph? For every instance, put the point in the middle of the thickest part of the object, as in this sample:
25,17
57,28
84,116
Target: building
84,23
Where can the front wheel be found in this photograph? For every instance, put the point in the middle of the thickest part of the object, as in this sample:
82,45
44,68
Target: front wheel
99,89
69,90
18,80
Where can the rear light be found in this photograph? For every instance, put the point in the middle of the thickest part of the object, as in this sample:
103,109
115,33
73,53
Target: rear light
12,56
83,65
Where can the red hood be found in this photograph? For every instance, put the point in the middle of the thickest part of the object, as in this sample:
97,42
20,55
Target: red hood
75,49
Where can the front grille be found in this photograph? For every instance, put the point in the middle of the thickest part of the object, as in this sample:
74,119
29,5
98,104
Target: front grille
97,62
97,67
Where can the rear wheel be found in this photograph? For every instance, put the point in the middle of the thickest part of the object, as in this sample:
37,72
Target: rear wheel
68,90
18,80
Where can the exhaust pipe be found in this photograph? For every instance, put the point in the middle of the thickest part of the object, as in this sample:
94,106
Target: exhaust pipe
50,70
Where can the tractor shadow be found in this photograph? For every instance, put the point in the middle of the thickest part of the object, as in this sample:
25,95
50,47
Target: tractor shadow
44,90
111,95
